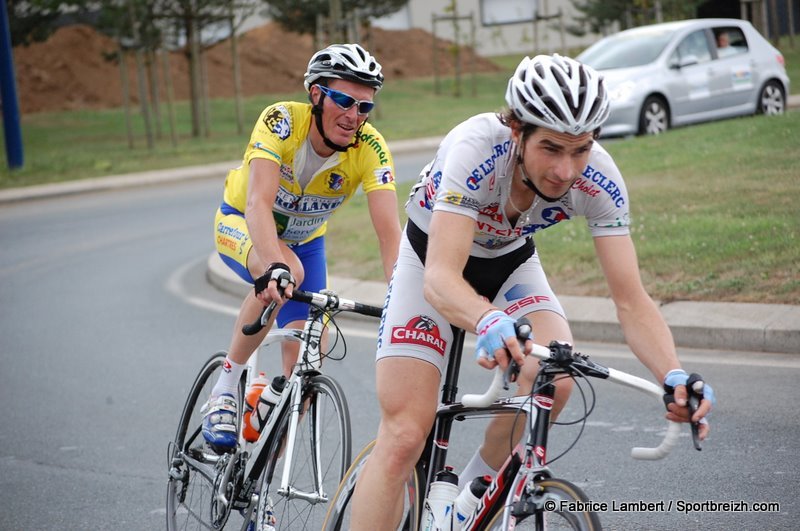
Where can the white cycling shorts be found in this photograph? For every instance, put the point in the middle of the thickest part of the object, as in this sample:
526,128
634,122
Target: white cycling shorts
411,327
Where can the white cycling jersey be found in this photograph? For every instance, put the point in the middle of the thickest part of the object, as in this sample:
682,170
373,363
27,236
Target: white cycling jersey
471,175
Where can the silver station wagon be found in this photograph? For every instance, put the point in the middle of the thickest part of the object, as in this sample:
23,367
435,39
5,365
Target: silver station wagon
677,73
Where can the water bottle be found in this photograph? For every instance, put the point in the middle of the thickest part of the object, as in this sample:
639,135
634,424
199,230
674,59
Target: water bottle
468,499
438,511
250,401
269,397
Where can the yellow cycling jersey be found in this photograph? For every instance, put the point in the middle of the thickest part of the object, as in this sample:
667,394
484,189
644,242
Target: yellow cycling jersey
301,213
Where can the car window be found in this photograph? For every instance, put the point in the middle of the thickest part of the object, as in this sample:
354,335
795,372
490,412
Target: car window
695,44
626,50
729,41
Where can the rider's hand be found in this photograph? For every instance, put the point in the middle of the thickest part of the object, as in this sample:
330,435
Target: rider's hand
676,399
497,341
276,284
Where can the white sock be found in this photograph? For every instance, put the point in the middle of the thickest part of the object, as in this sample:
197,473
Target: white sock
228,382
475,468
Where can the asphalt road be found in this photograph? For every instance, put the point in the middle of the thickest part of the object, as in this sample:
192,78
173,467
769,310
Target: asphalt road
105,317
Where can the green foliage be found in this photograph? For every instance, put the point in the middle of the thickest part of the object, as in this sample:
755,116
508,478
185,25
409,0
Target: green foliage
300,16
35,20
599,15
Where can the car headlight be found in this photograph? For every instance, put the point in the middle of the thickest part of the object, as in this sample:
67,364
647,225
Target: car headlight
622,92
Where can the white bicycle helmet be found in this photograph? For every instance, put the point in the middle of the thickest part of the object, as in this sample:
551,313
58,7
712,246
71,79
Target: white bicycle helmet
344,61
558,93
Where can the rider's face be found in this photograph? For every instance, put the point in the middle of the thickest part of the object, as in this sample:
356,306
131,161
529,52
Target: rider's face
339,124
553,161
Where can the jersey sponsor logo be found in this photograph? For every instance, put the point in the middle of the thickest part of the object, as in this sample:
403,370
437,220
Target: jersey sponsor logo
376,143
606,184
461,200
306,204
286,173
524,302
384,175
492,212
486,168
419,330
585,186
431,185
279,122
335,182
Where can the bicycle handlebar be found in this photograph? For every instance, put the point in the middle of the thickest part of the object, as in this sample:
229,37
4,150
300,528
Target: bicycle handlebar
589,368
326,300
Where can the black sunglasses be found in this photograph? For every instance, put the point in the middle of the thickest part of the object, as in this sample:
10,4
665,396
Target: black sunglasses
346,101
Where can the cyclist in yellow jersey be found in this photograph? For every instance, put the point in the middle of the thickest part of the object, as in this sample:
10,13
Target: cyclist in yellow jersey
303,161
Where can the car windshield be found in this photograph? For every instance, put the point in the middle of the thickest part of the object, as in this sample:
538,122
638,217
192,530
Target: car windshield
626,50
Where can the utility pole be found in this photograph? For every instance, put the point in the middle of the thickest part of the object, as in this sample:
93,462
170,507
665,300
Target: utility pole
8,95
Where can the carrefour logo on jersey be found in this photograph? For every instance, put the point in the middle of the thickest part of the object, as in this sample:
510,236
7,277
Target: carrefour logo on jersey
487,166
307,204
603,182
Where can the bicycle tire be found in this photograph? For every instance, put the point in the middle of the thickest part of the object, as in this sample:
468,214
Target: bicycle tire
338,517
563,493
190,493
324,425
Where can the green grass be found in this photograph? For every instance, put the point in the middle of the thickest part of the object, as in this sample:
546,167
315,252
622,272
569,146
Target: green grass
714,206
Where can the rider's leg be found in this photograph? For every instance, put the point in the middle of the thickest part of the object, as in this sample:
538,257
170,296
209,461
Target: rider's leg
407,392
547,326
294,314
242,346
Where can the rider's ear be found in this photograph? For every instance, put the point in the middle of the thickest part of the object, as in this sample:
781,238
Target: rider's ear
314,94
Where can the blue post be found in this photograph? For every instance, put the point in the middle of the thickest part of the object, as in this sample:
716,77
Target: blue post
8,94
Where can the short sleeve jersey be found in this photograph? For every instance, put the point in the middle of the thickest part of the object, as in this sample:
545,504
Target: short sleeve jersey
471,175
301,213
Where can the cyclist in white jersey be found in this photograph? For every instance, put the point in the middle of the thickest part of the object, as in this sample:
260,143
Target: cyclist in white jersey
467,258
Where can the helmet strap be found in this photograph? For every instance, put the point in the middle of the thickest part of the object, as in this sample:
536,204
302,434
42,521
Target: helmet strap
529,183
316,110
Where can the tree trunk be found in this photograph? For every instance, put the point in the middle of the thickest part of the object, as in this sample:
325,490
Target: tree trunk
205,109
194,73
237,76
126,95
170,95
155,100
140,77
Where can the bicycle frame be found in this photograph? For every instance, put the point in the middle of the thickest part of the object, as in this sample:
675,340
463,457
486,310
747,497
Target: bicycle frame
532,453
309,362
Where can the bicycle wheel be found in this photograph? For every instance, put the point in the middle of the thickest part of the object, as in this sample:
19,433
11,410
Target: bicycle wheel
338,517
192,466
322,447
532,510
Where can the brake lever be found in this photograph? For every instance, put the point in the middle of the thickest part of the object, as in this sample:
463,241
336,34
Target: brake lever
694,390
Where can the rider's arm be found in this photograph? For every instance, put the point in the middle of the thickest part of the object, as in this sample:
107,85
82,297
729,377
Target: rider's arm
262,189
450,238
449,243
645,329
382,206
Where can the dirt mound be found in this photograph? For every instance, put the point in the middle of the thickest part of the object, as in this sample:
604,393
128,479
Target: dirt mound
72,69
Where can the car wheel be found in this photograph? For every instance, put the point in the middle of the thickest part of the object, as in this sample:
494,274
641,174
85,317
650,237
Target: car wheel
771,99
654,118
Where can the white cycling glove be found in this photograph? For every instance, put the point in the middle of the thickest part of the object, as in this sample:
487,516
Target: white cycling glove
492,331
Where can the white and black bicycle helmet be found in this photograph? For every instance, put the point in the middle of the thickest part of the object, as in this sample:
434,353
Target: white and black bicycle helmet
558,93
344,61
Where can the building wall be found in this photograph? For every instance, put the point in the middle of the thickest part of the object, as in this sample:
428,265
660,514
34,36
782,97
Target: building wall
515,38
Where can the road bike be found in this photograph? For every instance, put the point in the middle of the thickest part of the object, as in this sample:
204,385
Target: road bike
284,479
524,494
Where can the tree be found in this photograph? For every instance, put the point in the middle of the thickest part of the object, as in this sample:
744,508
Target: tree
35,20
300,16
599,15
